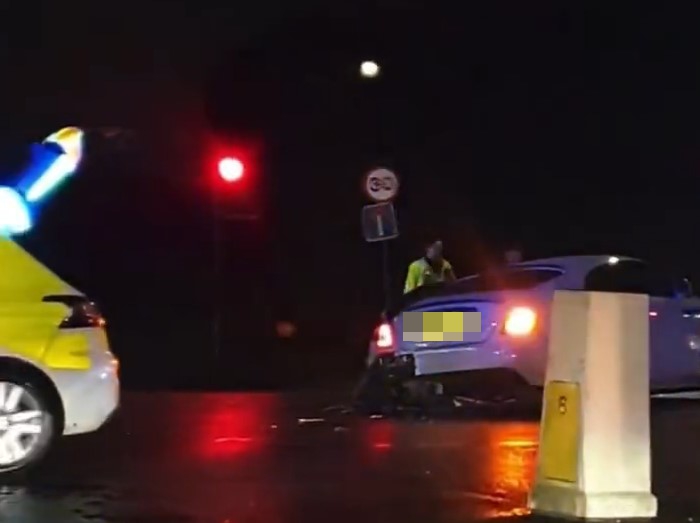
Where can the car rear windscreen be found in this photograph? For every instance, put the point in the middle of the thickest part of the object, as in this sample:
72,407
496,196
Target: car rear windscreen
502,280
496,280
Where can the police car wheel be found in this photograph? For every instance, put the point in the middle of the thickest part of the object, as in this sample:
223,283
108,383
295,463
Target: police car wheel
28,427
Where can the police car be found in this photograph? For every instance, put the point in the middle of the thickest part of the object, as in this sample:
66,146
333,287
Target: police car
515,302
57,373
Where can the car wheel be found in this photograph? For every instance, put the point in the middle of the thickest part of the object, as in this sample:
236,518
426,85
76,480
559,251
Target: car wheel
28,424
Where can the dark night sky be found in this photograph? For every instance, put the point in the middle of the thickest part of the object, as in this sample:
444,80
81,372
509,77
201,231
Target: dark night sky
561,128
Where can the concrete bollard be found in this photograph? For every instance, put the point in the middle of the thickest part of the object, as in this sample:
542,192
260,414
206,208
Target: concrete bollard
594,458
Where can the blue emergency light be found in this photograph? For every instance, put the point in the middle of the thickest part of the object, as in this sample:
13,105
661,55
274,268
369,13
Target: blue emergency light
52,162
15,217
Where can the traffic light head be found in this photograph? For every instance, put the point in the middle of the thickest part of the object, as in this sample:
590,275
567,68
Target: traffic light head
233,175
231,169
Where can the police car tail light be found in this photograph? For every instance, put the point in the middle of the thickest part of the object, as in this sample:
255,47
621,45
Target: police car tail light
520,321
384,337
83,313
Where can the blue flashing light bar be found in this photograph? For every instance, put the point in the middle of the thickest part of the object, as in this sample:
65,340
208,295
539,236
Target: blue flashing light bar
52,162
15,217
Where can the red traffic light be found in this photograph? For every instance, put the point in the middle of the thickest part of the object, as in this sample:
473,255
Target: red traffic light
231,169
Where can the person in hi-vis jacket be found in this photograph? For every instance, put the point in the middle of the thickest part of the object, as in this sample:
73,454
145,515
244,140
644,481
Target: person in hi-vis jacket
431,268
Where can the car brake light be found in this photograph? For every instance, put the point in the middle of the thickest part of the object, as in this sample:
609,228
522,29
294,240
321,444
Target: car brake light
520,321
384,337
84,314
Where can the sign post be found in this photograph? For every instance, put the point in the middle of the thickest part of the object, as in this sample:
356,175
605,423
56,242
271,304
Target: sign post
379,222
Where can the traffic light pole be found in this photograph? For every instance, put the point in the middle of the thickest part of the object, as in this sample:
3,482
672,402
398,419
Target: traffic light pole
219,219
217,263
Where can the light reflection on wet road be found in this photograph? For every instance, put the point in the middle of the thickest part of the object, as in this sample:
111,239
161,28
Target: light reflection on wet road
199,458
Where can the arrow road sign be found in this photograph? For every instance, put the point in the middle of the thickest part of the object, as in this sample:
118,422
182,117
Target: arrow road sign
379,222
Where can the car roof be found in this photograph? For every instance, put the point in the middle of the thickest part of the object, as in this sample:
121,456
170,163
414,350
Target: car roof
580,264
574,269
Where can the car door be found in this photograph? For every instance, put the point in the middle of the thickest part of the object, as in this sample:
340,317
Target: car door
672,362
690,327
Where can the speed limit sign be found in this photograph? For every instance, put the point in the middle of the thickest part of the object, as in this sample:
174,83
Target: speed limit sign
381,185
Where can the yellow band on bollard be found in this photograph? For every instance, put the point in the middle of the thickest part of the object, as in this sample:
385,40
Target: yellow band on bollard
560,431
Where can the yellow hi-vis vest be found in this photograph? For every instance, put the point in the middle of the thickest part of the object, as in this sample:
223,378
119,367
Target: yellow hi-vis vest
420,272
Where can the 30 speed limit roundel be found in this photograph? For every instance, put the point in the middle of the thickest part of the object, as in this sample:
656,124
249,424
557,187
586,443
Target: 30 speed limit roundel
381,185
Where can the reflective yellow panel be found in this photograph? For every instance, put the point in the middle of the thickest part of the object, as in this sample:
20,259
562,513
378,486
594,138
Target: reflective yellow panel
560,431
26,328
68,351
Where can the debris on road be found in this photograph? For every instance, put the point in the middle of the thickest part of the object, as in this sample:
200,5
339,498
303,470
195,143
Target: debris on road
306,421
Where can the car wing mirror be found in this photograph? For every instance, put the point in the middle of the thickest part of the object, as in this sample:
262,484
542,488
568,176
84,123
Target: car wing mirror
683,288
688,288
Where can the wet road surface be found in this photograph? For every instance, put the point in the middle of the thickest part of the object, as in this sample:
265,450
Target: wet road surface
200,458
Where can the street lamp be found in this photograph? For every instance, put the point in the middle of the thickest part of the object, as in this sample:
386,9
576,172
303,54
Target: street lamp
369,69
232,170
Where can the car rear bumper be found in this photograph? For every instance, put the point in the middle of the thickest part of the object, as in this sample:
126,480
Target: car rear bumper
527,358
453,359
90,397
441,361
